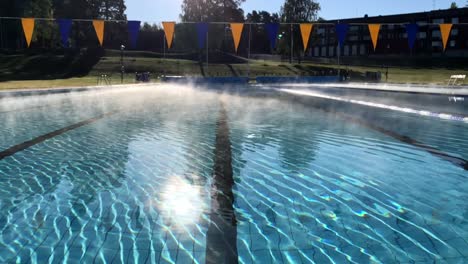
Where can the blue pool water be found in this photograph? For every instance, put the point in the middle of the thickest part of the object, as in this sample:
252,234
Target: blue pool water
169,174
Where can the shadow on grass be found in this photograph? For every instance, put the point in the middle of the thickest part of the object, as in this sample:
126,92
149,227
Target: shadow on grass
39,65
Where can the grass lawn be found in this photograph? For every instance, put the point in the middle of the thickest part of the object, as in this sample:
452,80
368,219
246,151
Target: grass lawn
48,83
58,83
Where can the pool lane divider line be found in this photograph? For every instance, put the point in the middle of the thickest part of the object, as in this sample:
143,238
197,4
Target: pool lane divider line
221,237
27,144
460,162
408,140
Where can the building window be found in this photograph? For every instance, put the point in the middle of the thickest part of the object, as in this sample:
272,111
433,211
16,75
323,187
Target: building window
367,37
436,44
331,51
324,51
453,43
346,50
436,34
455,20
422,23
438,21
454,32
362,50
353,38
316,51
422,35
354,50
354,28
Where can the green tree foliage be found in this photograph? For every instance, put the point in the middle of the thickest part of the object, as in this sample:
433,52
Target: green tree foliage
299,11
260,42
10,36
453,5
214,10
44,34
211,11
151,38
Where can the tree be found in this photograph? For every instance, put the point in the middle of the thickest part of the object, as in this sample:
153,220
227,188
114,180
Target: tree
260,42
453,5
9,33
83,33
299,11
263,17
215,10
211,11
44,32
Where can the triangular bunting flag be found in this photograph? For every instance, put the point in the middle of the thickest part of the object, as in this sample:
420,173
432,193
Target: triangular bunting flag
306,29
412,30
169,28
445,30
133,31
272,30
99,28
202,31
28,29
65,26
236,29
341,31
374,30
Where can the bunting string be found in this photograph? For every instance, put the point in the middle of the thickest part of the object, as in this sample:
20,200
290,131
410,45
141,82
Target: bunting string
272,30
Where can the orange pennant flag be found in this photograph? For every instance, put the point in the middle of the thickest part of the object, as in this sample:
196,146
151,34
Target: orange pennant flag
236,29
374,30
306,29
169,28
99,28
28,29
445,30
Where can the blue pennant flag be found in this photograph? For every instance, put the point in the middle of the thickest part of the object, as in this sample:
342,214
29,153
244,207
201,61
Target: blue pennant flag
412,30
272,30
65,26
133,30
202,30
341,31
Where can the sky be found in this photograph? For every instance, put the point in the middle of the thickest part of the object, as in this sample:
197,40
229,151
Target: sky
169,10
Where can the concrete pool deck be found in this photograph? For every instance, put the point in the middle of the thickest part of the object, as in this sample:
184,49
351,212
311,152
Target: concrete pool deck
383,87
58,90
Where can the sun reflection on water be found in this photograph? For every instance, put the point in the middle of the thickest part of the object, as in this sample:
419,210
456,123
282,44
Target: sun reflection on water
181,201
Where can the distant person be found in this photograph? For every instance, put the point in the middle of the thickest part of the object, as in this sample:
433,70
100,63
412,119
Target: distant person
386,75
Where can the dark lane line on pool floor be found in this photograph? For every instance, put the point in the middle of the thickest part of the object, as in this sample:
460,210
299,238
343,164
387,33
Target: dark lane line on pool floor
27,144
408,140
221,237
460,162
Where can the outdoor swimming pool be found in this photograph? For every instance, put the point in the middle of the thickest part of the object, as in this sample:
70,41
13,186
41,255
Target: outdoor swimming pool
171,174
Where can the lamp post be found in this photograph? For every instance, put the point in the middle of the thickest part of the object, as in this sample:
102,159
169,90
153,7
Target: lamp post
122,67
